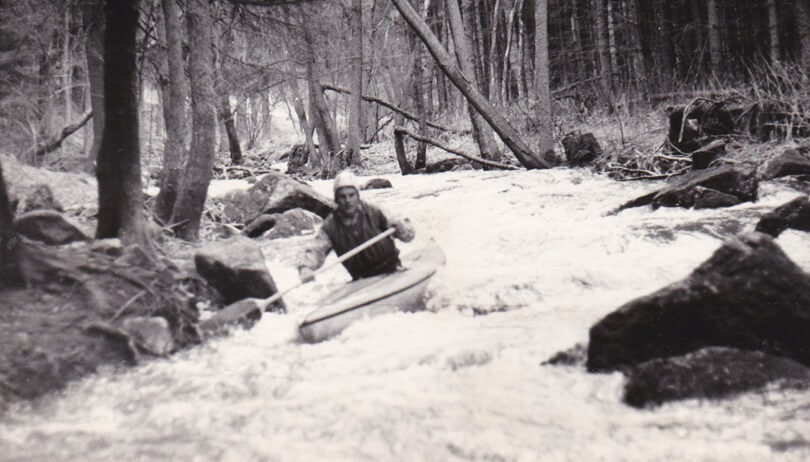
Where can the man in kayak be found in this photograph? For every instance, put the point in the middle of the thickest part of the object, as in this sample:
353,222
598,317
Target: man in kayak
351,224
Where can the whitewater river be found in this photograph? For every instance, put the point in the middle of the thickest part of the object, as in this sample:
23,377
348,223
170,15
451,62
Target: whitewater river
533,249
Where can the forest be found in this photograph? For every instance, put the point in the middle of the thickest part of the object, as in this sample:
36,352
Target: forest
173,94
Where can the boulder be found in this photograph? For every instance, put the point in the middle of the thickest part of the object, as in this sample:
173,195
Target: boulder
581,148
377,183
747,295
716,187
790,162
39,197
236,268
713,372
447,165
49,227
297,159
150,334
794,214
273,193
293,223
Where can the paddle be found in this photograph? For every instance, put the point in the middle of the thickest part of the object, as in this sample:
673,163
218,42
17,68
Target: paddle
252,308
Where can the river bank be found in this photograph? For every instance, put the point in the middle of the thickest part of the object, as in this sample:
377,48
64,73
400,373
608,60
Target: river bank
535,250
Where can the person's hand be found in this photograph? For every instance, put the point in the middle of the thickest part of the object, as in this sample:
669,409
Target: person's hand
306,274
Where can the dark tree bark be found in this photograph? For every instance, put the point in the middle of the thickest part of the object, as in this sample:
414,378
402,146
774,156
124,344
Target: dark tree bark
715,47
803,29
482,133
93,23
226,114
505,130
355,106
602,46
174,114
319,115
120,194
11,274
773,30
223,90
198,170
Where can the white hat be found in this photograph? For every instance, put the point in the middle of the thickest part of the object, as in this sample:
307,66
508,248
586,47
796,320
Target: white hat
346,179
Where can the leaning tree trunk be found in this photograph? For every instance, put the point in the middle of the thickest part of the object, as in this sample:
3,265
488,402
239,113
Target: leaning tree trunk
93,23
541,78
505,130
11,274
197,174
120,194
482,133
174,115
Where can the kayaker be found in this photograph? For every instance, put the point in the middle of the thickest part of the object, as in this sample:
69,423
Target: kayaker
351,224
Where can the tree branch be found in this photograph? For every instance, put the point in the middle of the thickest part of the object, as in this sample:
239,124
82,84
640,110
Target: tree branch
55,141
440,144
388,105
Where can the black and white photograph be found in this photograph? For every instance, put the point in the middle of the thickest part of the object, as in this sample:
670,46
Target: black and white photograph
404,230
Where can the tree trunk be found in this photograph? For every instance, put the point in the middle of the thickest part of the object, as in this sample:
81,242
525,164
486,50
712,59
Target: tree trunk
355,107
120,194
482,133
506,131
226,114
399,150
93,23
612,50
198,169
773,30
319,114
541,78
11,274
605,67
174,115
639,70
223,45
803,26
715,49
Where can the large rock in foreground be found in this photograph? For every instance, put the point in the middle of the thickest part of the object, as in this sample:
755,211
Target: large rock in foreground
273,193
236,268
748,295
714,372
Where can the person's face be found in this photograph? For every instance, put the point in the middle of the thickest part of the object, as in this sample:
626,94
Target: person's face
347,200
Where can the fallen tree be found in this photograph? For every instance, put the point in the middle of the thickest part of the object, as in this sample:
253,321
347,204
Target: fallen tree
399,145
446,63
388,105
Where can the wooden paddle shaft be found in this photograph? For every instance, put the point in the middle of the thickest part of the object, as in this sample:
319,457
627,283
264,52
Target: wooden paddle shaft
264,303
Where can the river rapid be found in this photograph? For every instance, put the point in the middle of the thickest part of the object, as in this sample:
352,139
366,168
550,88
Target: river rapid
536,252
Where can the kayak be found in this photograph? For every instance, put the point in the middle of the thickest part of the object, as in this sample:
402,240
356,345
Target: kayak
388,293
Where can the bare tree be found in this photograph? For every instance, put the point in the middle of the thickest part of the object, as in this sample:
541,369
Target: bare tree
541,78
174,114
198,170
773,30
93,24
120,194
355,107
715,47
